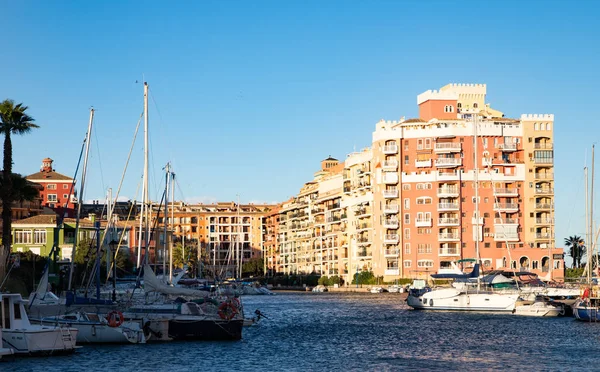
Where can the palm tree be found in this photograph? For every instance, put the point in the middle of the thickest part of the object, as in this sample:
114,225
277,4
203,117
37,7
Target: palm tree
576,249
13,120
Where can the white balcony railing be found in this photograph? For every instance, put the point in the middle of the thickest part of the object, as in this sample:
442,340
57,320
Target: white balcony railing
448,236
508,146
390,164
544,191
506,192
423,163
544,205
448,221
423,222
390,178
448,162
544,221
449,251
505,221
392,252
447,191
448,206
390,149
447,147
390,193
390,224
506,206
390,238
543,145
391,208
544,176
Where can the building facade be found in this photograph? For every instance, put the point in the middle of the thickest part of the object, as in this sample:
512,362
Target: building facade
58,190
461,179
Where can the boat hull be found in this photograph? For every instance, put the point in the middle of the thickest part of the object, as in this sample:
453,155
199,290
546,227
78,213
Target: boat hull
42,340
586,313
100,333
455,300
207,329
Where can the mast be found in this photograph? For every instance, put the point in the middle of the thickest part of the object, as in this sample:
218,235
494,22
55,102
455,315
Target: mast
167,177
144,211
476,181
239,240
81,189
173,220
590,248
588,232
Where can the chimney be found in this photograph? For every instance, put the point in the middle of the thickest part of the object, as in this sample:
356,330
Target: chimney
47,165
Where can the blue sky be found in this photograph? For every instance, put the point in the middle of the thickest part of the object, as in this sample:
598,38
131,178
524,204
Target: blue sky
248,96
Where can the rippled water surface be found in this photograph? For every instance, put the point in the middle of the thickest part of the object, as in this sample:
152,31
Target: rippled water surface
331,331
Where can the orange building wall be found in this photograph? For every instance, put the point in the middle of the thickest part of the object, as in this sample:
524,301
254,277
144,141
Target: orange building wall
435,109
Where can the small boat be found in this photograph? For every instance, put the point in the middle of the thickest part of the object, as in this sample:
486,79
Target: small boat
395,289
376,290
98,329
540,307
320,289
252,321
23,337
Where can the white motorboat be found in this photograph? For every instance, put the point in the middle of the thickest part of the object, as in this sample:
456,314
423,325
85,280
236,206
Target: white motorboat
454,299
540,307
394,289
98,329
22,337
376,290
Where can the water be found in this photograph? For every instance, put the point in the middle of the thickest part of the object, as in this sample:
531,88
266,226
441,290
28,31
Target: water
352,332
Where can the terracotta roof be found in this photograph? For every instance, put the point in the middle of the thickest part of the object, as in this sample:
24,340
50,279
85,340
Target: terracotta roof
48,176
414,120
42,219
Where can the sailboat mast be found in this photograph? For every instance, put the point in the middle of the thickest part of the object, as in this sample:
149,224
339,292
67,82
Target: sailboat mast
239,240
172,187
588,232
80,201
144,212
166,219
476,181
590,246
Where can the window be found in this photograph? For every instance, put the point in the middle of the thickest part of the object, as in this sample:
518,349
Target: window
406,248
423,231
424,248
407,218
39,236
406,233
65,196
405,145
52,198
419,144
459,105
406,203
406,160
475,105
548,127
22,237
425,263
406,187
487,245
51,186
427,143
424,200
535,126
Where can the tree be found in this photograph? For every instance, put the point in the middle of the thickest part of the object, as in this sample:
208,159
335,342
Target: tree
576,249
13,120
254,266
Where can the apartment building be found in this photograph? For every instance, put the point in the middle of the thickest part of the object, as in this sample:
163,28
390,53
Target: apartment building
459,179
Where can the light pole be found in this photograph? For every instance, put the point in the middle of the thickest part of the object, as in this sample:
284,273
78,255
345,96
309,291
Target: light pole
114,245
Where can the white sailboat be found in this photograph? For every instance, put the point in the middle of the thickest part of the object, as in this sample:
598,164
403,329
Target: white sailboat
466,298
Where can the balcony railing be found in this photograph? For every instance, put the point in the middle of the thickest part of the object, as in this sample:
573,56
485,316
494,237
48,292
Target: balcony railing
391,208
423,222
449,251
447,191
447,176
423,163
544,191
448,236
506,192
390,178
447,147
544,176
390,238
543,235
448,162
543,145
390,193
506,206
392,252
448,221
543,160
390,149
544,221
448,206
544,205
505,221
390,164
390,224
508,146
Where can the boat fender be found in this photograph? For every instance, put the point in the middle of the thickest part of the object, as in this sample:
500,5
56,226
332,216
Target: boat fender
115,318
227,310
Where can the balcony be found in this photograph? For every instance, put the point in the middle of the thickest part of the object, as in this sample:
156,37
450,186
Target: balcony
391,252
391,208
390,178
390,194
362,211
448,237
390,239
543,146
447,176
363,226
544,205
391,272
390,223
507,207
506,192
447,192
390,149
423,163
423,222
506,221
508,147
449,251
447,206
447,147
543,160
544,176
544,191
544,221
544,235
448,221
390,165
508,236
448,162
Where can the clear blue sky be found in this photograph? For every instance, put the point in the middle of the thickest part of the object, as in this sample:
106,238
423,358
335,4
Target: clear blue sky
249,96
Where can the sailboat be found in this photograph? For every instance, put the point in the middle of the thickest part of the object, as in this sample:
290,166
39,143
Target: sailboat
587,307
466,298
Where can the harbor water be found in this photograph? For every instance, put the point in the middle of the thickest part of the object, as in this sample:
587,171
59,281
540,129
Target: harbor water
353,331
